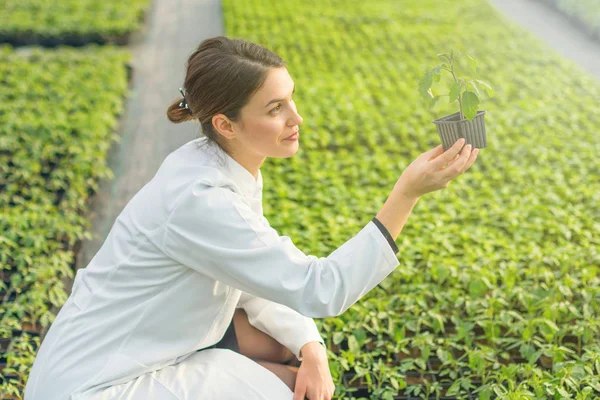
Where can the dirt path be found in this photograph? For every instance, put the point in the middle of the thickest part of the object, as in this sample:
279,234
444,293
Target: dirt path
173,30
553,28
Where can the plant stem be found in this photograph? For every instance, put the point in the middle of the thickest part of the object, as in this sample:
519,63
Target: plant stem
456,80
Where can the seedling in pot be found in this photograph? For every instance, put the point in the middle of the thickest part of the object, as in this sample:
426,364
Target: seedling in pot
468,122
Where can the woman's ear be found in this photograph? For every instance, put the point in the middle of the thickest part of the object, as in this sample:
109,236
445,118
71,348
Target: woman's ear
223,125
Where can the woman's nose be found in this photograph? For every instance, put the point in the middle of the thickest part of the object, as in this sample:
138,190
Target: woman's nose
297,118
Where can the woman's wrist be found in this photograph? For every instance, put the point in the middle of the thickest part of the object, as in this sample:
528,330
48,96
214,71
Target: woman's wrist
396,210
313,350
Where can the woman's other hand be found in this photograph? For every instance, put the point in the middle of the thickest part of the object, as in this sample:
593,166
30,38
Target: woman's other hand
314,380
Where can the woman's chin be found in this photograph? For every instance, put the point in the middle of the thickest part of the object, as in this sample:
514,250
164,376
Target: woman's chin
289,148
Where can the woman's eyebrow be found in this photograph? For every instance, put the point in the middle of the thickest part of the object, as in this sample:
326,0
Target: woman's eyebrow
278,100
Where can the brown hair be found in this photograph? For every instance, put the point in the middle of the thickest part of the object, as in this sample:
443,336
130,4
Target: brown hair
222,74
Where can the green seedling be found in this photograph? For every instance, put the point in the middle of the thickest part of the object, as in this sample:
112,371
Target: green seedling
460,90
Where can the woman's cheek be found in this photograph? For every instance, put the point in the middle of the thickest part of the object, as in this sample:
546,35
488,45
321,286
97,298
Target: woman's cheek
273,125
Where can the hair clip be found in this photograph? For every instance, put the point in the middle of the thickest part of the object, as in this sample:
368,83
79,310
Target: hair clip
184,102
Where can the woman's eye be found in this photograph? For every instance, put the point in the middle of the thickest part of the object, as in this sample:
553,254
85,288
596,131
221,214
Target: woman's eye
276,108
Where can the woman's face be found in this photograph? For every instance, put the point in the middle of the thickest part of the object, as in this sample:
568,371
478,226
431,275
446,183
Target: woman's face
268,119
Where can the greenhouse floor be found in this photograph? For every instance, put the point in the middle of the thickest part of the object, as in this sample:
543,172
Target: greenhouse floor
554,29
160,51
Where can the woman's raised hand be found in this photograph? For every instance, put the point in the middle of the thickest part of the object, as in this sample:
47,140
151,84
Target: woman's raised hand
436,168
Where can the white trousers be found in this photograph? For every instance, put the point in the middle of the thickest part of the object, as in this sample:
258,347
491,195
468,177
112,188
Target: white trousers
213,374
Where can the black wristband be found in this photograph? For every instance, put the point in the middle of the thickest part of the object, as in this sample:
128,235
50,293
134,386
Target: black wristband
387,235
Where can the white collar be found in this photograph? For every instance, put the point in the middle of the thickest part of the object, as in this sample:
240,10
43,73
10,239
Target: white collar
245,180
249,186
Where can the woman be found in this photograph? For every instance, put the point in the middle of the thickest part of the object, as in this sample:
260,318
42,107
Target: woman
193,295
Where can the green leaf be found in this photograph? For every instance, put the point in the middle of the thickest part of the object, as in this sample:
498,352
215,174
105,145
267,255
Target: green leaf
550,324
454,92
454,388
349,355
476,361
499,390
526,350
360,334
338,337
534,357
527,332
425,85
470,102
431,103
399,333
474,86
485,394
353,345
402,383
472,62
486,86
443,355
477,287
438,321
436,73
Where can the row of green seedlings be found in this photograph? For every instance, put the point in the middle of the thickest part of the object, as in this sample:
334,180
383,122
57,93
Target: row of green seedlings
113,34
470,359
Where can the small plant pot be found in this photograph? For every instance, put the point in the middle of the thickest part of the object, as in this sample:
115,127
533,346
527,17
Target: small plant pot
450,129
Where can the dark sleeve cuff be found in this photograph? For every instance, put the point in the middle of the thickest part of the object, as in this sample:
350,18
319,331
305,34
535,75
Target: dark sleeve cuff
387,235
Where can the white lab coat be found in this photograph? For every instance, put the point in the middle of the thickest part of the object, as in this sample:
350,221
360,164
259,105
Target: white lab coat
188,248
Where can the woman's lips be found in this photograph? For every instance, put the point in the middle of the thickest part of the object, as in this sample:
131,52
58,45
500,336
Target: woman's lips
293,137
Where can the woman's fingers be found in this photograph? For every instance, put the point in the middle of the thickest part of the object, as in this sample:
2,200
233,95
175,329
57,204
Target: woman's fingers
299,392
433,170
472,159
461,164
469,158
445,158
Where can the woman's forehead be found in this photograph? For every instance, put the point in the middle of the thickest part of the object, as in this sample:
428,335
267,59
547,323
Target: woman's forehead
278,85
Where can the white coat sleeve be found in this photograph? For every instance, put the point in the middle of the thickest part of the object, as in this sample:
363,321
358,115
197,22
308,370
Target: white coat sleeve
214,231
287,326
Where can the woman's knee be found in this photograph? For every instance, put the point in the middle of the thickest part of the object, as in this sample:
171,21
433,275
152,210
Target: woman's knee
254,343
